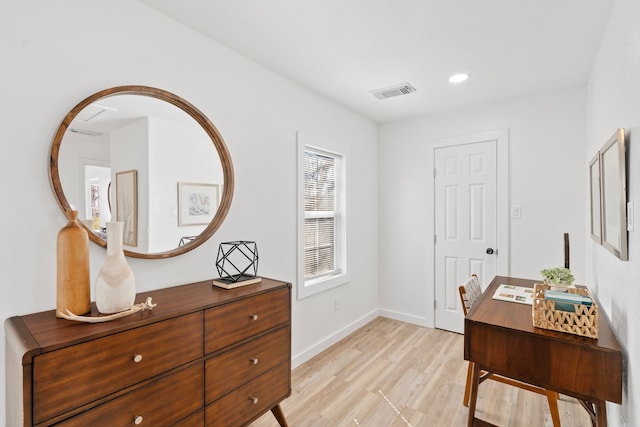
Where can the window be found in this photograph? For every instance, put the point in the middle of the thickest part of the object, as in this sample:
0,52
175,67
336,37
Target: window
322,218
320,214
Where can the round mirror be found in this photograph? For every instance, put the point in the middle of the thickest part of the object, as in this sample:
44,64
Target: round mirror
148,158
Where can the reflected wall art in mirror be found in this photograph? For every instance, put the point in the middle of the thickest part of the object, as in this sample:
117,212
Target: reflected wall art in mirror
121,154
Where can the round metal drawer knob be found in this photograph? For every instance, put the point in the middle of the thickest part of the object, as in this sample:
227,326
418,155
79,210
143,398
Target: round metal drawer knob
254,317
254,400
254,360
138,420
137,358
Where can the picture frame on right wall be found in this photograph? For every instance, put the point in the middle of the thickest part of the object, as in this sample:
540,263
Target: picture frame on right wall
613,195
594,191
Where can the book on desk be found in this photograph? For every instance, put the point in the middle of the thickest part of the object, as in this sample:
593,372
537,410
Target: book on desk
565,301
512,293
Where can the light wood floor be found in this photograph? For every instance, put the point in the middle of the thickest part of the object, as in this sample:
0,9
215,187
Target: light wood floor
391,373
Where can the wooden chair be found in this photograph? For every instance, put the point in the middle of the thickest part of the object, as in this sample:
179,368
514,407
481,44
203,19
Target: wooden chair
469,291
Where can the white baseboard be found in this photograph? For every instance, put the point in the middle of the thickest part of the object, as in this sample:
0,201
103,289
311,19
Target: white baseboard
324,344
403,317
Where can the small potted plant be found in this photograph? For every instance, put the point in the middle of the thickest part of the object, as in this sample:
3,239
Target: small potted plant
558,278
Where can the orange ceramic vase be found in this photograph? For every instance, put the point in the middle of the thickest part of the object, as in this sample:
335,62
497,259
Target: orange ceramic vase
73,283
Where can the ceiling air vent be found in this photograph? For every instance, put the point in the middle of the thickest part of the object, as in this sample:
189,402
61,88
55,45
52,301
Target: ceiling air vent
85,132
390,92
93,113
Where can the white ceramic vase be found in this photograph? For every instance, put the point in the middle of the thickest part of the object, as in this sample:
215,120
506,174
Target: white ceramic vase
115,285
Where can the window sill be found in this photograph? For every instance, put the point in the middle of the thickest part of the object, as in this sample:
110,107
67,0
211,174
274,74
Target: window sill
316,286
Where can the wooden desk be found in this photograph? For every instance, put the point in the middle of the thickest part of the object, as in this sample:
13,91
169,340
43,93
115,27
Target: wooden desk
499,337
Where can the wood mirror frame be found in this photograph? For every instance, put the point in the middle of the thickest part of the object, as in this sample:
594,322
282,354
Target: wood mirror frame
197,115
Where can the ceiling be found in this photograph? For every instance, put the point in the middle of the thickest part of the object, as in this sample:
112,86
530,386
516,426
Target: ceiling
344,49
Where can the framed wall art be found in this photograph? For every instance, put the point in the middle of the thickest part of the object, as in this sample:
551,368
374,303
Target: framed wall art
596,206
197,203
613,182
127,205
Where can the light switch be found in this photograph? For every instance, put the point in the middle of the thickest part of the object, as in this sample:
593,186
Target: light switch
516,211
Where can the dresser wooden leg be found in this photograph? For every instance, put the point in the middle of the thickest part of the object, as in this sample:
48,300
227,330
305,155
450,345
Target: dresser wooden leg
277,412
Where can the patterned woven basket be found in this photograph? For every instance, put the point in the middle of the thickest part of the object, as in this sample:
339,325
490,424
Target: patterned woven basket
583,322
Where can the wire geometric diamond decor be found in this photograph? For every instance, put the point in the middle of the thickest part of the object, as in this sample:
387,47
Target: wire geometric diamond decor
237,261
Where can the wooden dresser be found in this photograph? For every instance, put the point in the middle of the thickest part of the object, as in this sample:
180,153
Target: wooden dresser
203,357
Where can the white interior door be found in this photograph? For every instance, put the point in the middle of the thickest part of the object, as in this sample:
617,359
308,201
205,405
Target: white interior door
465,224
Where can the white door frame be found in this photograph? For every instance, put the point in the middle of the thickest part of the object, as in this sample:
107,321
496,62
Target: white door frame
502,199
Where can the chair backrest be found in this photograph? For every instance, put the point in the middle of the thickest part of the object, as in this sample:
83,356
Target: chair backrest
469,291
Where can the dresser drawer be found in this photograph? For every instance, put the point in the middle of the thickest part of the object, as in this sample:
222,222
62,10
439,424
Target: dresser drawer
70,377
153,405
238,320
225,372
252,399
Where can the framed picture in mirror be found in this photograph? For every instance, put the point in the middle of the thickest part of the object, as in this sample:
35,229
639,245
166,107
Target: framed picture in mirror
197,203
613,182
127,205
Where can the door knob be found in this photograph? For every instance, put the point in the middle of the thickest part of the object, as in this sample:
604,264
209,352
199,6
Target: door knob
489,251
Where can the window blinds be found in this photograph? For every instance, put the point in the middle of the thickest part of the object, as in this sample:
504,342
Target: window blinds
320,214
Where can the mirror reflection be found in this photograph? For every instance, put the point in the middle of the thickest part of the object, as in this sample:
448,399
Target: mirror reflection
144,161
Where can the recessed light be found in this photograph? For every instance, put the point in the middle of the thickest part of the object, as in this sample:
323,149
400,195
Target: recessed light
458,78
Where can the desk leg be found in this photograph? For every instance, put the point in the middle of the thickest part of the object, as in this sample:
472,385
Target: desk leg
475,382
601,413
277,412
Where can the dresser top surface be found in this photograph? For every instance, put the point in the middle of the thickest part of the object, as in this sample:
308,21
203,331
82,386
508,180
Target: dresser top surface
46,332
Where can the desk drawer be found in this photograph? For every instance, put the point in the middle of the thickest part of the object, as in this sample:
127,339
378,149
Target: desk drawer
153,405
250,400
70,377
242,319
225,372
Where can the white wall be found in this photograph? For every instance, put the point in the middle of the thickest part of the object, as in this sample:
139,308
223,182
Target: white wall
55,54
130,152
613,101
177,153
546,150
